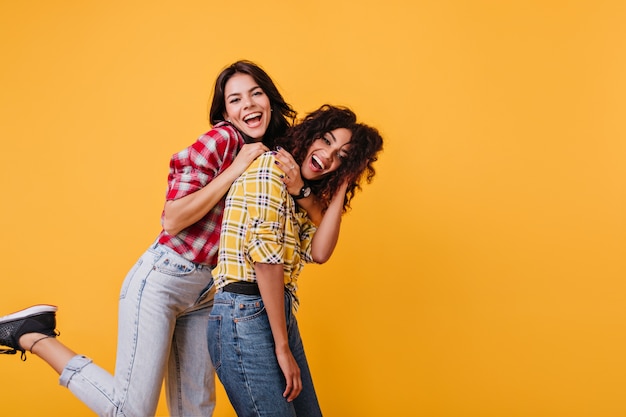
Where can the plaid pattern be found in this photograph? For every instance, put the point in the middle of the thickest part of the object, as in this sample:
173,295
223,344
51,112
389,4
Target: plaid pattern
262,224
190,170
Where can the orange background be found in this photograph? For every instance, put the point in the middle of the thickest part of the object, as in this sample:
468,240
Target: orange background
481,274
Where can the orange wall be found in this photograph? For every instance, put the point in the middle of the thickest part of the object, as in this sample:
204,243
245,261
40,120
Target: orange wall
482,274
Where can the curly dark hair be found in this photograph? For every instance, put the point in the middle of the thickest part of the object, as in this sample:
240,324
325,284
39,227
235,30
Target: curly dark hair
365,144
283,115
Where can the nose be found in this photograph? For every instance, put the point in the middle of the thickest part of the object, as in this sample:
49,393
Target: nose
328,158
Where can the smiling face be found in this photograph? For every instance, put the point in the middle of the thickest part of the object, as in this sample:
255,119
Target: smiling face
326,154
247,106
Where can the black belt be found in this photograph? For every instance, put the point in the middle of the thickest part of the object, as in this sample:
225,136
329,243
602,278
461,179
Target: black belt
243,287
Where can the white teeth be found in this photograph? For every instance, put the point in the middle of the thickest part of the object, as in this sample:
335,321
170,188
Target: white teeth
251,116
319,161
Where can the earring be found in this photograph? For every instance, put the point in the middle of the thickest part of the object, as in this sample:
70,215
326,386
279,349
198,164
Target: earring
229,121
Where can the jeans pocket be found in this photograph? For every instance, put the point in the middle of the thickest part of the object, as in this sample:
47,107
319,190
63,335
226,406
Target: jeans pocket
214,340
249,308
173,265
252,324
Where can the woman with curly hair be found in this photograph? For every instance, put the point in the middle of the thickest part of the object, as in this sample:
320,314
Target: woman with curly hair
266,239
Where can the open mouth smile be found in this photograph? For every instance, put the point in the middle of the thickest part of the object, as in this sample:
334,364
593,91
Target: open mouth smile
317,163
253,118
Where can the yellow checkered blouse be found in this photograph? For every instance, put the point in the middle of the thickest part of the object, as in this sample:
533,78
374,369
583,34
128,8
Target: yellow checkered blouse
262,223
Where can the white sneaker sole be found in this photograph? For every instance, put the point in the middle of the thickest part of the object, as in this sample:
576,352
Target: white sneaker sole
30,311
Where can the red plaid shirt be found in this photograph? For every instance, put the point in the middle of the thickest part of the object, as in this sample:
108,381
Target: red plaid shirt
190,170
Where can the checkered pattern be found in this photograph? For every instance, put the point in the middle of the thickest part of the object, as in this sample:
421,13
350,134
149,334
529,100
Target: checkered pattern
262,224
190,170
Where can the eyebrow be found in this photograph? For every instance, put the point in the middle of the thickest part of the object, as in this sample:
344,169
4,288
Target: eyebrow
249,91
335,139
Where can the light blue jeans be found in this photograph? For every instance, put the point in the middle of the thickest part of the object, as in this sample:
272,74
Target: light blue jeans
242,348
163,311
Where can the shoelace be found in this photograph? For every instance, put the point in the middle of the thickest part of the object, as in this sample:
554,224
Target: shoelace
13,352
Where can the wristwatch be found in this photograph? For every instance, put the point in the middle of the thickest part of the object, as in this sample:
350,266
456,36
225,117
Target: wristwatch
305,191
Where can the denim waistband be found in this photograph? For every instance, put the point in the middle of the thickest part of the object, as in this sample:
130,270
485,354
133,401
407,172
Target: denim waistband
157,247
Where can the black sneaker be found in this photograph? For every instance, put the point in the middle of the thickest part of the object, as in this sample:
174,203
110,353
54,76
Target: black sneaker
36,319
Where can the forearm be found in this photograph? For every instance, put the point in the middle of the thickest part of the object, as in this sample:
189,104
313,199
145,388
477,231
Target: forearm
185,211
272,287
327,234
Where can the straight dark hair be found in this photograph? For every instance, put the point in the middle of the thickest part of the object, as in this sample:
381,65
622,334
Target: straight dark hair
282,115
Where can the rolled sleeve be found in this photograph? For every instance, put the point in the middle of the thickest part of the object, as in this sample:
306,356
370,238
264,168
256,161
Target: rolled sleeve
265,244
194,167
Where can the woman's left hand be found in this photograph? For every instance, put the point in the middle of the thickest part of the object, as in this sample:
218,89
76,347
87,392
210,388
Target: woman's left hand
292,178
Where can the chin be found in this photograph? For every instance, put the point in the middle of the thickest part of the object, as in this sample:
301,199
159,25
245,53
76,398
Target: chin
254,135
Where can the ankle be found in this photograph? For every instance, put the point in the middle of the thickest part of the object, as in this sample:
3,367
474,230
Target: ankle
39,340
27,340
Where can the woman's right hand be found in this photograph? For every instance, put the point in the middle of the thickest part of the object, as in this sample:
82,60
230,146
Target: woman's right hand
248,153
291,371
187,210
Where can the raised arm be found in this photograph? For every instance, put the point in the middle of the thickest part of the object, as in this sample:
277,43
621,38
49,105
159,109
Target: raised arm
327,234
187,210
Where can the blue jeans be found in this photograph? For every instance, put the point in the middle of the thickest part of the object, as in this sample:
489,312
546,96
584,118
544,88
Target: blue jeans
163,309
242,349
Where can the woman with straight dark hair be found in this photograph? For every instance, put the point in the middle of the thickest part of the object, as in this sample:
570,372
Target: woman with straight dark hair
166,297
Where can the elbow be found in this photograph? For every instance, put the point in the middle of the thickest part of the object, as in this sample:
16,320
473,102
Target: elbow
322,253
320,258
170,221
170,227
